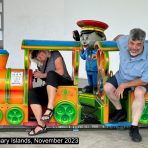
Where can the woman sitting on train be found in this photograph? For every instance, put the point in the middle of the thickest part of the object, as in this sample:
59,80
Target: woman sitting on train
53,70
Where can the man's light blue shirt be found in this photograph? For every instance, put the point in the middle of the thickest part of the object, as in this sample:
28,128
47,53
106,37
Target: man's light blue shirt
131,68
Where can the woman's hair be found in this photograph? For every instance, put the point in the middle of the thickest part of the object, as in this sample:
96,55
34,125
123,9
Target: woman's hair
137,34
34,54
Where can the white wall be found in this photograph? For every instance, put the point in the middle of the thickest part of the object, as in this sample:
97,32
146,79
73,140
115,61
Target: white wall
56,19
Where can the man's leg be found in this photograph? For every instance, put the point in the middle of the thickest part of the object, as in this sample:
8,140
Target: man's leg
109,89
138,104
137,109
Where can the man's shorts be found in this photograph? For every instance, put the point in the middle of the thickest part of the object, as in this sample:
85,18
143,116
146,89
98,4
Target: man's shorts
114,82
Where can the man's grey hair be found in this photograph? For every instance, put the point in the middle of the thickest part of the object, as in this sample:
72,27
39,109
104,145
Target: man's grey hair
137,34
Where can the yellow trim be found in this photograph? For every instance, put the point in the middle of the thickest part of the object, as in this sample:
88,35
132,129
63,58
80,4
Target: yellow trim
99,47
109,49
93,28
51,48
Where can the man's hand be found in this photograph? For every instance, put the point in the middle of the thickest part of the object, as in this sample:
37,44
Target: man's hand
117,37
119,91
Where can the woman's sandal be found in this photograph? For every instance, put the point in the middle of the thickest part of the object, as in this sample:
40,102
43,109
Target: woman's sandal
33,133
47,116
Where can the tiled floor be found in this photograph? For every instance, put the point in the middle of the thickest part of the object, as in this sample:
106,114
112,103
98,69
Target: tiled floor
88,138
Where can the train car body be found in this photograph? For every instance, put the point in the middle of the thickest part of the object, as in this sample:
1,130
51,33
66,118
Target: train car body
71,106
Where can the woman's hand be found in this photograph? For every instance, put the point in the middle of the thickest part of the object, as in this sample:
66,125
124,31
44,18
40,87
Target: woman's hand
39,74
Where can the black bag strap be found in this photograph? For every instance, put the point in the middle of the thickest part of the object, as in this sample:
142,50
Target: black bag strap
45,65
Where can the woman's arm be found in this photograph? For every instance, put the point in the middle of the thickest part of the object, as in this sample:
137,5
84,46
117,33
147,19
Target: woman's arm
59,66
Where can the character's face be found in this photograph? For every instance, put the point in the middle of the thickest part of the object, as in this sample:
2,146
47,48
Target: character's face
42,56
89,39
135,47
